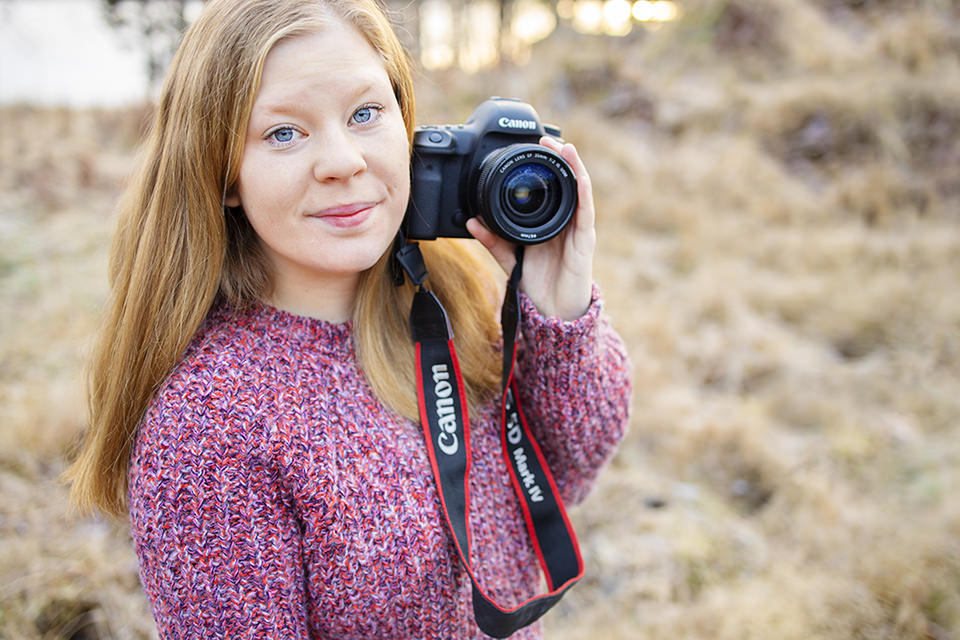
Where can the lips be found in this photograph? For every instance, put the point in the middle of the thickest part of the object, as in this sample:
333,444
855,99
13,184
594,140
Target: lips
347,215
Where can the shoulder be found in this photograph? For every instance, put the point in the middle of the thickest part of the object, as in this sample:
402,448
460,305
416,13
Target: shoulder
214,397
204,430
241,387
228,360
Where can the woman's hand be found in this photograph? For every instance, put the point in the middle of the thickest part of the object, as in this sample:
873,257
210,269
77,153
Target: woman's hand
557,274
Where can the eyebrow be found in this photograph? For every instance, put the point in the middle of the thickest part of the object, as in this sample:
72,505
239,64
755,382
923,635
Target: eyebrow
297,101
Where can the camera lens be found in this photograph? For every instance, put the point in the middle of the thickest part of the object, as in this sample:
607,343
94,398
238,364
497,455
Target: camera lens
526,193
527,188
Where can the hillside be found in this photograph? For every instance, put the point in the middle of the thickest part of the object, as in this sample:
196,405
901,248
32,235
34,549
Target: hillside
778,196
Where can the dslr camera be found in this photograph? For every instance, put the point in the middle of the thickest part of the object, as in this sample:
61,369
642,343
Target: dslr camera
492,167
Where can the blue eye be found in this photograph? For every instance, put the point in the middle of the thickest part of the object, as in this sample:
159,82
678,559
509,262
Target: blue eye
284,134
365,115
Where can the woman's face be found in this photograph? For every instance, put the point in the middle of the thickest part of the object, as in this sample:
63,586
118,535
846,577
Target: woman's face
324,178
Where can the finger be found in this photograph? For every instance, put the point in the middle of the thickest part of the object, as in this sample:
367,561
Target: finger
551,143
585,218
585,214
501,250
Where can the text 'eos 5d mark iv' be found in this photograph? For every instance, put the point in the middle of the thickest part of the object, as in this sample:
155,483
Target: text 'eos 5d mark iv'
494,168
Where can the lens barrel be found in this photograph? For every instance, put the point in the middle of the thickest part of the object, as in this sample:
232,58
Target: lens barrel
525,193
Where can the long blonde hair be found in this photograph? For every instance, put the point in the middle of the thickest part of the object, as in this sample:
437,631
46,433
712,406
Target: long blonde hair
176,248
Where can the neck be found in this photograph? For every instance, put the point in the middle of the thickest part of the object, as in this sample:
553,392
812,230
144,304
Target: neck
330,298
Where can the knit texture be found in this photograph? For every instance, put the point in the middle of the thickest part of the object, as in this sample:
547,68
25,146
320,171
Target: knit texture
273,496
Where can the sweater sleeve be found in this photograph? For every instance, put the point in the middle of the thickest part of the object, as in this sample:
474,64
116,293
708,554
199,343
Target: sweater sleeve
574,384
213,526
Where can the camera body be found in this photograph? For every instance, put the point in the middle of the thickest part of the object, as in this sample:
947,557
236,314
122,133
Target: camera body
492,167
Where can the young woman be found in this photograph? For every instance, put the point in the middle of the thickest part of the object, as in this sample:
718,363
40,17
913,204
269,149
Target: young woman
253,403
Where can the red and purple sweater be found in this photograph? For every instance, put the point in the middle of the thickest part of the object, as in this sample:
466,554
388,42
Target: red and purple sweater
273,496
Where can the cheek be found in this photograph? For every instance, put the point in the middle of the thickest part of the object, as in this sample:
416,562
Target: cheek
401,192
391,164
264,189
404,179
401,167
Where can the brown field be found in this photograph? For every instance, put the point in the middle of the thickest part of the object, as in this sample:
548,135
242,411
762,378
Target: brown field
778,188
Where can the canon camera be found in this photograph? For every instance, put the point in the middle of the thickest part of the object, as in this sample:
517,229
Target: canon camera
493,167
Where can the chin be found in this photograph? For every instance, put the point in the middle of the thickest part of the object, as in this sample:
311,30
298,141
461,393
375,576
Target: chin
366,262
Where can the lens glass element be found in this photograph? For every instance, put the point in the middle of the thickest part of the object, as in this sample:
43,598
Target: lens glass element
527,188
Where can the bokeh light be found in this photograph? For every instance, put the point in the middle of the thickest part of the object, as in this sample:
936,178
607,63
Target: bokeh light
471,35
478,46
616,17
588,16
659,11
436,34
532,21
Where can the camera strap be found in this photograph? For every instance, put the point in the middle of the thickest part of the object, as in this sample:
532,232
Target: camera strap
443,415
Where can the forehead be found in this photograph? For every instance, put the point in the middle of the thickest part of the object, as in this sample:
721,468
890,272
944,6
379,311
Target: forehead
321,60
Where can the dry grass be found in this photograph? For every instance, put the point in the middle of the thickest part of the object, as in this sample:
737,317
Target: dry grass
778,186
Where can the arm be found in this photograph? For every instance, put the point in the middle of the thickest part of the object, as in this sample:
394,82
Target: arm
574,385
217,539
574,374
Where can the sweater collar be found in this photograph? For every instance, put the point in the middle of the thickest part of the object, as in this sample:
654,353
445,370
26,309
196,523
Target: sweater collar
303,331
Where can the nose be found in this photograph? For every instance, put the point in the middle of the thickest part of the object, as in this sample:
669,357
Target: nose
339,157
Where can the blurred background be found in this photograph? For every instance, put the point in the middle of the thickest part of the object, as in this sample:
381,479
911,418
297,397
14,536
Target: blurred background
778,195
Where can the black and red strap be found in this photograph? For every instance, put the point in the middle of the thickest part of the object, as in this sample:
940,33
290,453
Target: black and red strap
443,415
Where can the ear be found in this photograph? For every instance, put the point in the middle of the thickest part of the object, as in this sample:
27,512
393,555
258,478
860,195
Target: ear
232,199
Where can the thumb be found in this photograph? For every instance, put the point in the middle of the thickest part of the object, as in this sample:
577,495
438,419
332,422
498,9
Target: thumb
501,250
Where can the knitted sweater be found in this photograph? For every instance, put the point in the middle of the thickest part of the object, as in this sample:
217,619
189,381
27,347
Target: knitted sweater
273,496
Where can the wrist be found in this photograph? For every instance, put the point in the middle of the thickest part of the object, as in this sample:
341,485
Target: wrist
570,308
